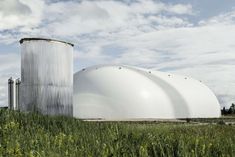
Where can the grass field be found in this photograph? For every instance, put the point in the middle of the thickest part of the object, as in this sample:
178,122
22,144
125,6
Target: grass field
36,135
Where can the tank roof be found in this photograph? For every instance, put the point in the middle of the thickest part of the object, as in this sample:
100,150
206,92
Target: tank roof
28,39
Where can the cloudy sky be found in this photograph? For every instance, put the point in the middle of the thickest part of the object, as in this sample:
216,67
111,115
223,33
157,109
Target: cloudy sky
191,37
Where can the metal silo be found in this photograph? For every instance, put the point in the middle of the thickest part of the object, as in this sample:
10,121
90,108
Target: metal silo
46,76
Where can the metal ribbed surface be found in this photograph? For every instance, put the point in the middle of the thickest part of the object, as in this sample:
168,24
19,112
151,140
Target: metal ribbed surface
47,77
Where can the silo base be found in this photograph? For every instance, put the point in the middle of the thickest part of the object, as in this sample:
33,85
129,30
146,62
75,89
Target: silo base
49,100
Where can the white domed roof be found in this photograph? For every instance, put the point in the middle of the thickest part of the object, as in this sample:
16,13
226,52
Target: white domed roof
114,92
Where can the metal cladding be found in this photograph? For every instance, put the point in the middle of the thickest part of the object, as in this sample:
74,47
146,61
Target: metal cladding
113,92
47,76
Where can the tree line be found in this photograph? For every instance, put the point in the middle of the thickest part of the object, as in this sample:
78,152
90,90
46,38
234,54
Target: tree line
230,110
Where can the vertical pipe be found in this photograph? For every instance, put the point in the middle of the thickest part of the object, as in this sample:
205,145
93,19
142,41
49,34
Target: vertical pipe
11,93
17,95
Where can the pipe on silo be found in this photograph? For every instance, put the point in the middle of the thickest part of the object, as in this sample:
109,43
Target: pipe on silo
46,76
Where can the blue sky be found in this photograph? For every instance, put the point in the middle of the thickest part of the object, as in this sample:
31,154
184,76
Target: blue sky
190,37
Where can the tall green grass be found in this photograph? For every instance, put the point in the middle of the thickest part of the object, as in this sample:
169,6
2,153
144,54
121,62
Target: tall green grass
36,135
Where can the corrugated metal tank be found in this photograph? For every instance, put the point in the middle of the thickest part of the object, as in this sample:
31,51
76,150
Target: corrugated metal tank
46,76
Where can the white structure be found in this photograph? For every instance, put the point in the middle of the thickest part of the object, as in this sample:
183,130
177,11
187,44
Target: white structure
112,92
47,76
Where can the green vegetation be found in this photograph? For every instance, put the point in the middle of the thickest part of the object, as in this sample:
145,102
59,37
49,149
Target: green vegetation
36,135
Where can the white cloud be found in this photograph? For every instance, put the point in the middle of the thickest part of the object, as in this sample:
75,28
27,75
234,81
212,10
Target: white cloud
66,19
181,9
20,14
110,16
227,18
13,7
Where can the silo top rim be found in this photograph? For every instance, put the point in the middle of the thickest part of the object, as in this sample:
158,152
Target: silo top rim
28,39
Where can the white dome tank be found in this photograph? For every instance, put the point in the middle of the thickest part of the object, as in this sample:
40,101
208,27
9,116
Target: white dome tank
117,92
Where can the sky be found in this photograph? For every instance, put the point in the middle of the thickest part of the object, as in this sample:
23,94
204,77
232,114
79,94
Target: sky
195,38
